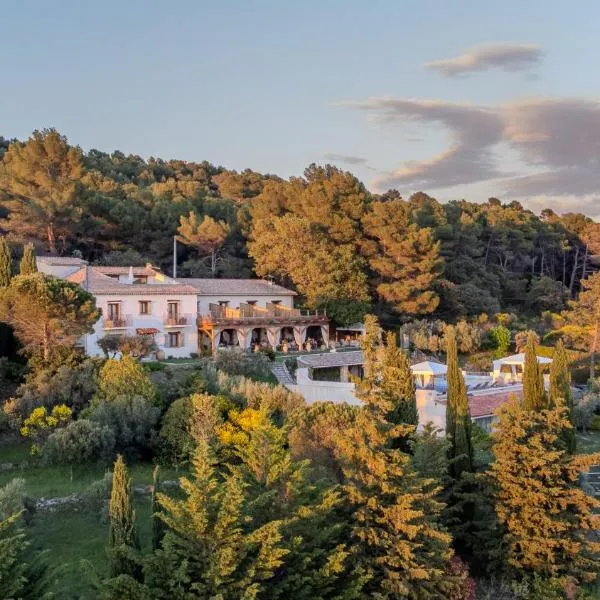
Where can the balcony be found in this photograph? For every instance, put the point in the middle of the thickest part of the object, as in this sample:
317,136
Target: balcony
170,320
258,316
120,322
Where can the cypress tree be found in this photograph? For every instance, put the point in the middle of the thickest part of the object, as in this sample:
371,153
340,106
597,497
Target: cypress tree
534,396
28,264
397,543
458,414
5,263
547,517
560,390
157,524
122,537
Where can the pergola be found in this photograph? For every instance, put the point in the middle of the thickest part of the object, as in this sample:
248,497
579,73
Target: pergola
427,371
515,363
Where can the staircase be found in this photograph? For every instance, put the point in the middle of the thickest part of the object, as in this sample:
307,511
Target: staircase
282,374
591,481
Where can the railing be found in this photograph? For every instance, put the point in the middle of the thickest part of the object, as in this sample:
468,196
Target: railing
250,311
171,320
121,322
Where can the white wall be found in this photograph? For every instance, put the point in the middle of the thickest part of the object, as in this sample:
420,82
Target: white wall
235,301
323,391
158,310
430,410
61,271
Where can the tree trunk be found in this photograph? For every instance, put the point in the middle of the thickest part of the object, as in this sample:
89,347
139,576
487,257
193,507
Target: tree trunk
585,259
46,343
574,271
51,238
593,349
213,262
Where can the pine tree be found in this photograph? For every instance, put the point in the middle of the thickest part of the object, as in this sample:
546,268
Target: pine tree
534,396
28,265
158,528
313,528
549,520
560,390
122,536
398,546
210,549
22,575
458,415
5,263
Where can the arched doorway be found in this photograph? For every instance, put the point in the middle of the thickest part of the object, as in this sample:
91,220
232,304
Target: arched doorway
228,338
204,342
259,337
314,337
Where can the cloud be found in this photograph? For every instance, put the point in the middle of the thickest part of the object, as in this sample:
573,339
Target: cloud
343,158
556,139
469,158
508,56
561,137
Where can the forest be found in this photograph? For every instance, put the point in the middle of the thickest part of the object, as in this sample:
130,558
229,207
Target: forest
130,479
340,246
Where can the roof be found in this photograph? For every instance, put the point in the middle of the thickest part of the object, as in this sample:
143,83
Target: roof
485,405
149,271
518,359
61,261
353,327
429,367
332,359
96,282
236,287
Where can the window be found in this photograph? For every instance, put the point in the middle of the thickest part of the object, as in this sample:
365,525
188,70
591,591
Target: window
223,302
174,339
275,302
145,307
114,311
251,302
140,279
173,309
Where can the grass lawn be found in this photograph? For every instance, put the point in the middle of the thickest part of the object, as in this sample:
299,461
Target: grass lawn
74,534
76,544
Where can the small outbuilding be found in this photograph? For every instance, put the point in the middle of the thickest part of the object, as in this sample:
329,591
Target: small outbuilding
425,372
510,368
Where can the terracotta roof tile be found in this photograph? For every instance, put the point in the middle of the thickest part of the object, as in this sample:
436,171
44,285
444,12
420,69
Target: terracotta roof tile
484,405
236,287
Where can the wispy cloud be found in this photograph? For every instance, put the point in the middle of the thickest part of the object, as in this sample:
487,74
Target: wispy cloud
468,159
508,56
344,158
557,141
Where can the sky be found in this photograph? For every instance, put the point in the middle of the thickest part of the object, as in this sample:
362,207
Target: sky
465,99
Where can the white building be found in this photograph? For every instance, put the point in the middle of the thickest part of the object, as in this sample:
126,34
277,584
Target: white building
186,316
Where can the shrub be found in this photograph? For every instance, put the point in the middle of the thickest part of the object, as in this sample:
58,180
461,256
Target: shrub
124,377
79,442
133,422
584,410
500,339
71,385
12,498
97,495
235,361
174,440
595,424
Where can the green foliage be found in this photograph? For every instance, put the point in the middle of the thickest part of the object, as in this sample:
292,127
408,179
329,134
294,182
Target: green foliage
174,440
430,453
158,529
560,390
210,549
20,577
534,396
79,442
595,424
546,514
12,498
133,421
122,535
5,263
28,265
500,338
124,377
237,361
458,416
48,314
